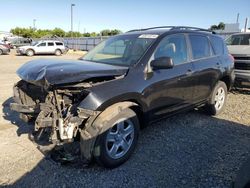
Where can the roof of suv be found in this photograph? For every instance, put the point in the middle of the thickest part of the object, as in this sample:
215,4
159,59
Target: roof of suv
164,29
50,41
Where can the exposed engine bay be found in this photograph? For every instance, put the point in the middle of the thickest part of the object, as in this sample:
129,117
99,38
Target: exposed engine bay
55,112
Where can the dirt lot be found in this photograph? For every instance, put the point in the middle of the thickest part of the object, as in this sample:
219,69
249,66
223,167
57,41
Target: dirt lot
187,150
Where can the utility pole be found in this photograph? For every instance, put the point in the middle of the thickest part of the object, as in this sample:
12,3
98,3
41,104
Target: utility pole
72,5
34,24
246,23
237,20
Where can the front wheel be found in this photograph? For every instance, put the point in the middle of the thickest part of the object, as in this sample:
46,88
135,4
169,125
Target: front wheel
30,53
116,145
218,99
1,52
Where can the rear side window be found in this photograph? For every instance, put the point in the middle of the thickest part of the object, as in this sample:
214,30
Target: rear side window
173,46
59,43
50,43
218,45
238,40
200,46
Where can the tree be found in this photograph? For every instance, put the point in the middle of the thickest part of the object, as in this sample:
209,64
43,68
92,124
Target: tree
220,26
73,34
107,32
29,32
58,32
86,34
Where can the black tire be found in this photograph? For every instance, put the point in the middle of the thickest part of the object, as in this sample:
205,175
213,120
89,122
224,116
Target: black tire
30,52
214,107
103,157
58,52
1,52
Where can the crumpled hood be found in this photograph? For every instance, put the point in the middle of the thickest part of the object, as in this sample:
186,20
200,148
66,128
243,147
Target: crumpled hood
45,72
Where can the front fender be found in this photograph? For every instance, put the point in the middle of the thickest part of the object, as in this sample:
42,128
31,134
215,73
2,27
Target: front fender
96,102
97,125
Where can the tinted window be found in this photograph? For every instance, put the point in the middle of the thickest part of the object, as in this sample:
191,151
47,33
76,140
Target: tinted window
50,43
42,44
218,45
172,46
239,40
200,46
59,44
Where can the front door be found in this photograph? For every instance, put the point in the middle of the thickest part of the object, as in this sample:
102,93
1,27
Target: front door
170,89
41,48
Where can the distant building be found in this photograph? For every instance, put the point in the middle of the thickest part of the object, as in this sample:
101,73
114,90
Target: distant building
230,28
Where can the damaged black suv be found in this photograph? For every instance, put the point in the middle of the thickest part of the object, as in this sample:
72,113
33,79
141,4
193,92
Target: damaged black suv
140,76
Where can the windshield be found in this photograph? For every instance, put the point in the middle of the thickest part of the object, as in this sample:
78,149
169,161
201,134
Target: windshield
238,40
121,50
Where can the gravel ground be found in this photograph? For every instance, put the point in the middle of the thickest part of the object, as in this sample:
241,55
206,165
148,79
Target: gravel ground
187,150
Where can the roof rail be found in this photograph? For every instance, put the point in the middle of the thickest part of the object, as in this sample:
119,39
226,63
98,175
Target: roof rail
192,28
174,28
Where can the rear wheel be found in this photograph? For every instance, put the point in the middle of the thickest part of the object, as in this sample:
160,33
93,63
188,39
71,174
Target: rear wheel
116,145
30,53
58,52
218,99
1,52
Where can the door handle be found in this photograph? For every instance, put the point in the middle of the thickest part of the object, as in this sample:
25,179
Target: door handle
217,65
189,72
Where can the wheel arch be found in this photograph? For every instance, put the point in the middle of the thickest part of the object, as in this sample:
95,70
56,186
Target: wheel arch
30,49
58,49
228,81
98,124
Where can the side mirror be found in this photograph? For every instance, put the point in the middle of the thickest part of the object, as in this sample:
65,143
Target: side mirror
162,63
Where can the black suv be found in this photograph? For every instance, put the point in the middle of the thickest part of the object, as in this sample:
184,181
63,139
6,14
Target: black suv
105,97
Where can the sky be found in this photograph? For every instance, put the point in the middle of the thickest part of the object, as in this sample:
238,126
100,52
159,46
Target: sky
96,15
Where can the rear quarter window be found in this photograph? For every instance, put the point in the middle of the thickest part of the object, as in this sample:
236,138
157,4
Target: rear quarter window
200,46
50,43
218,45
59,43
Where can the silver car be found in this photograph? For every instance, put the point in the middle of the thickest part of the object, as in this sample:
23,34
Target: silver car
239,46
43,47
4,49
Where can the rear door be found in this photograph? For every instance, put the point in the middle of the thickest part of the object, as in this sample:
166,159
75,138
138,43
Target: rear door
206,64
171,89
51,48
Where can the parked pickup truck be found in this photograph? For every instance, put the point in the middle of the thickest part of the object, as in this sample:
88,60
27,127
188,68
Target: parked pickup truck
239,46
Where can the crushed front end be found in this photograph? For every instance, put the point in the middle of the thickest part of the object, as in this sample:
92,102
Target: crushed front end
55,111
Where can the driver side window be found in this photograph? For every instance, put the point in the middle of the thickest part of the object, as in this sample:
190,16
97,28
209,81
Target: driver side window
173,46
42,44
